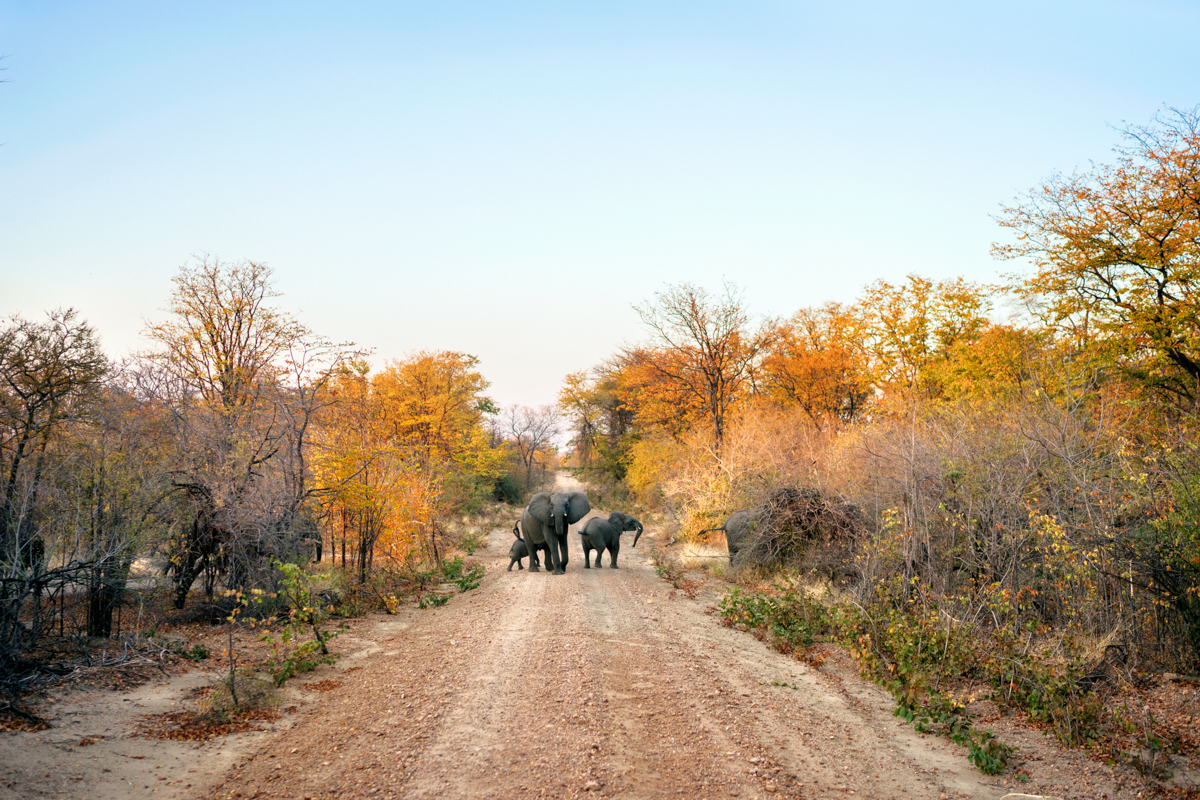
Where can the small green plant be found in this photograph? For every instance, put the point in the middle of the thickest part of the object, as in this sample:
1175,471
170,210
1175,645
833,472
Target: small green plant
472,541
291,652
470,579
452,569
197,653
433,599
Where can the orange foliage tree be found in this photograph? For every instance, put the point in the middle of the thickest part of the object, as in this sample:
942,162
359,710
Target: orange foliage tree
816,363
1116,254
908,329
400,450
701,358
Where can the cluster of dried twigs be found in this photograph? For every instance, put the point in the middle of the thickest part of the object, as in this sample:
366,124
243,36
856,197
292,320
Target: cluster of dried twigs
803,529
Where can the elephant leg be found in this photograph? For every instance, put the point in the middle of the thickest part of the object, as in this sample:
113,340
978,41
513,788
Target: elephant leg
551,553
533,557
510,563
558,552
612,553
587,554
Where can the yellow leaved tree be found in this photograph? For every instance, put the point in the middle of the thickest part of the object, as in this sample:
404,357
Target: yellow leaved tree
402,449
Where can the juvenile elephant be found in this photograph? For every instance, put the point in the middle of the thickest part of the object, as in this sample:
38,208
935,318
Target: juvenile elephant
547,520
605,534
737,530
520,549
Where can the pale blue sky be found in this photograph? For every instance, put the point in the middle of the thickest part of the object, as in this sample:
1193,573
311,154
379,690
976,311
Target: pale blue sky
507,179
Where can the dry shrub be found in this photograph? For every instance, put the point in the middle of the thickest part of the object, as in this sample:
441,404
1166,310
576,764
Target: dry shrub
766,448
806,530
707,556
1024,511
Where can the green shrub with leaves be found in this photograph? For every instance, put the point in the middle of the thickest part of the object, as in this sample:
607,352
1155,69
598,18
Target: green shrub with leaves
452,568
507,490
291,651
433,600
470,579
903,645
197,653
472,541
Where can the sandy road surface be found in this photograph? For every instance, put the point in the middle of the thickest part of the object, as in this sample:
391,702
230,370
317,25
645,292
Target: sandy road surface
595,683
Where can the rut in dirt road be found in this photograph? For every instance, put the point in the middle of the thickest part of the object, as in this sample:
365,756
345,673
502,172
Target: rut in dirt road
598,683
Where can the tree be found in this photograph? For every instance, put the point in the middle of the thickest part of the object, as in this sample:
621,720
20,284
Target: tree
48,371
530,431
437,409
703,350
401,449
578,401
816,363
112,481
241,381
358,468
907,329
1116,253
223,341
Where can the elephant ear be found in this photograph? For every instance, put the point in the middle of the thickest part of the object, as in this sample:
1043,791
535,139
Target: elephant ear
539,507
577,507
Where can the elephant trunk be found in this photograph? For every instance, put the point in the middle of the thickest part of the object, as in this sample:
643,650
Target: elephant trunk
517,531
637,535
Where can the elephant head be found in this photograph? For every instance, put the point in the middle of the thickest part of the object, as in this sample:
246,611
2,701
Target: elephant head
627,523
559,510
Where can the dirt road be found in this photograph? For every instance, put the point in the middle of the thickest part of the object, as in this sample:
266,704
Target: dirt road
597,681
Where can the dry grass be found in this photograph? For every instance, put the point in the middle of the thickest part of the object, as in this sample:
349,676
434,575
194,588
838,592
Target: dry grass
710,556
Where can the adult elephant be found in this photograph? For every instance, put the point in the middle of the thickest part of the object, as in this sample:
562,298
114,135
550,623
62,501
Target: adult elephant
546,520
605,534
737,531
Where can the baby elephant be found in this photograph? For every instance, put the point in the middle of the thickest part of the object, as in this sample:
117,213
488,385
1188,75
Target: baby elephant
605,534
520,549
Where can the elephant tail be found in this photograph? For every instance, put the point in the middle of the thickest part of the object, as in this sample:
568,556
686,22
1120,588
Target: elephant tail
517,531
706,530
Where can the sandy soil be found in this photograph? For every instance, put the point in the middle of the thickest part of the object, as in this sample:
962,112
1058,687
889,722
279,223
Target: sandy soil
595,683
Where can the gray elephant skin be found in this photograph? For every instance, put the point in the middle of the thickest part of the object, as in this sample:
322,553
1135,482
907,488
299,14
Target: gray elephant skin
737,531
519,550
547,520
605,534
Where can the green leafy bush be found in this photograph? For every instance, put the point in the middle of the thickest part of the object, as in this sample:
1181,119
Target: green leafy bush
197,653
507,490
432,600
452,569
291,652
470,579
905,646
